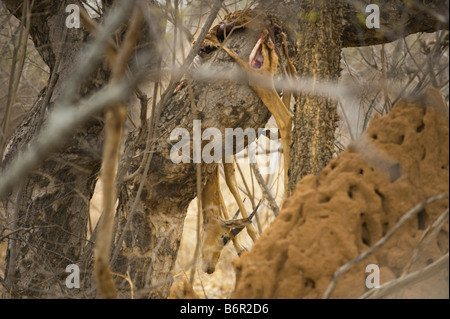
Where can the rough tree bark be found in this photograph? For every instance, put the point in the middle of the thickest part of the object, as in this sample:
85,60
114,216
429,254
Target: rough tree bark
321,29
49,210
315,117
51,205
53,202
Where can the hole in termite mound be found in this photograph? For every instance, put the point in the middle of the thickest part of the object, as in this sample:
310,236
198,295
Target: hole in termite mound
422,219
365,234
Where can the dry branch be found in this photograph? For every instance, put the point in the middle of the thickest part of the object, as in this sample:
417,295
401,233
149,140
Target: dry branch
408,280
428,235
67,114
411,213
16,72
63,121
114,120
398,18
265,189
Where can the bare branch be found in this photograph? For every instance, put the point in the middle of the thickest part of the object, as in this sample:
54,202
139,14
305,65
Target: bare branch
411,213
399,18
62,123
16,71
265,189
114,120
67,115
408,280
428,235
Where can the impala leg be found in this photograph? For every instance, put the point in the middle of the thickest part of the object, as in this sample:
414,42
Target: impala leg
283,118
230,179
261,81
226,216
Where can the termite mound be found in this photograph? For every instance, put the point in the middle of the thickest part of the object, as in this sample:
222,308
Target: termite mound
400,161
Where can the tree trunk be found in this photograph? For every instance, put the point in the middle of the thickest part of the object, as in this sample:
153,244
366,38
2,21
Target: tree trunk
320,30
315,117
50,208
149,233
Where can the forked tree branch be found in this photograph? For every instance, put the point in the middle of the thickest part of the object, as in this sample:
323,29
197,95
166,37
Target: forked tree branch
398,18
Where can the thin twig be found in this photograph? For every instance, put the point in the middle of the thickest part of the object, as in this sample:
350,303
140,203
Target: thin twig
128,279
16,72
251,196
198,170
408,280
189,59
428,235
266,192
416,209
384,66
114,121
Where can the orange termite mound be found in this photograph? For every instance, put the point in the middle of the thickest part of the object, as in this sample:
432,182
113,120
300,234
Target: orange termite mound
400,161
